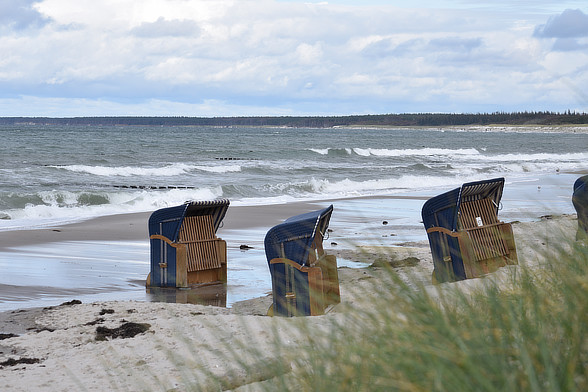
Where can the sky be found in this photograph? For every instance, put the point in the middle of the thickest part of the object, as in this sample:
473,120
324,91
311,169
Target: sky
208,58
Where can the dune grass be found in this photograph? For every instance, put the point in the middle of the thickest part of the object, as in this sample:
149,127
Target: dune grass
526,334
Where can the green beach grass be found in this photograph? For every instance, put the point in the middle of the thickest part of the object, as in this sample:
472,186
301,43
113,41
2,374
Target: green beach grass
524,332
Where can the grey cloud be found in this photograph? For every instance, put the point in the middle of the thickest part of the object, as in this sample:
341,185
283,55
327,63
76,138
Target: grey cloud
568,44
569,24
20,14
456,45
167,28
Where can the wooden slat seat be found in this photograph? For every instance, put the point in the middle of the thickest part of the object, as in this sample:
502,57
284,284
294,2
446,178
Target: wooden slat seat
203,245
479,220
487,242
203,255
477,213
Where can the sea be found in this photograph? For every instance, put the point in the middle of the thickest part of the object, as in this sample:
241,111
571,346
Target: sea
50,175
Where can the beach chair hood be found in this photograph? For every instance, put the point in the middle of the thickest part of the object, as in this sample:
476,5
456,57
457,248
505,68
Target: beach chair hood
167,221
442,210
293,238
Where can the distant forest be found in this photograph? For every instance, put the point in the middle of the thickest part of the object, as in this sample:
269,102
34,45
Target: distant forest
381,120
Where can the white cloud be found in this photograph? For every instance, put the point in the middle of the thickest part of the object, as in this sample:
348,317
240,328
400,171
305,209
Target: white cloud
285,57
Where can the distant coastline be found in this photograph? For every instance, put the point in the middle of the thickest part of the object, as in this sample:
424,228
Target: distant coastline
357,121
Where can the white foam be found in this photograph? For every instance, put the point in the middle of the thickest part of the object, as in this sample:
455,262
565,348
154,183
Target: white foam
577,157
382,152
175,169
321,151
64,206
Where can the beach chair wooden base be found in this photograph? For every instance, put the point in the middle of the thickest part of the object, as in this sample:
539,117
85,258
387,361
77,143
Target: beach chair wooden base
330,278
486,249
190,259
482,250
304,291
207,262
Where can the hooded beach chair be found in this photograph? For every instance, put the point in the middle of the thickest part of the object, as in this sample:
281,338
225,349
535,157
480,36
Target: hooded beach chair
466,238
580,202
184,247
304,279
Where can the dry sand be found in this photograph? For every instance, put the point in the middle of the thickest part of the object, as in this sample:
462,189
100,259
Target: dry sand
182,343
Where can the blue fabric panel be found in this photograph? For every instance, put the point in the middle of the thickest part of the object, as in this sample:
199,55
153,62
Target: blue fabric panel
580,202
167,221
296,283
157,246
302,293
278,274
441,210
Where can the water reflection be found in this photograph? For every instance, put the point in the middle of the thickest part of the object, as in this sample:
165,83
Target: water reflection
211,295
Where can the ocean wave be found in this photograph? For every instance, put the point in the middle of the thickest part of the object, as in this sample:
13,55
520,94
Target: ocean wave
323,188
577,157
175,169
332,151
384,152
59,206
219,169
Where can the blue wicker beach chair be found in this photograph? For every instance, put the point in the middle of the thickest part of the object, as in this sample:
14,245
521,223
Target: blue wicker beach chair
580,201
304,279
466,238
184,247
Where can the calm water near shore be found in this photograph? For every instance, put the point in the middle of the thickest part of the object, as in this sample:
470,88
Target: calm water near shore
51,175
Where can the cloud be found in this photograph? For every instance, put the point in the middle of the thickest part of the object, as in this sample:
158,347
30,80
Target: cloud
445,49
167,28
569,24
569,45
20,14
569,30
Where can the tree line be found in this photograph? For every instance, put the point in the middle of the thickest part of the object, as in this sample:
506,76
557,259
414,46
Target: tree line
407,119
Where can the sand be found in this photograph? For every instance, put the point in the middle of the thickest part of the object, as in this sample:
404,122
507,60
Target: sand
173,346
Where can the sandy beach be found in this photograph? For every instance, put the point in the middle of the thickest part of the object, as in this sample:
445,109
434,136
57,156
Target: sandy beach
137,345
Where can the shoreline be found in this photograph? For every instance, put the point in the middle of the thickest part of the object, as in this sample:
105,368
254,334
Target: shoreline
107,258
133,226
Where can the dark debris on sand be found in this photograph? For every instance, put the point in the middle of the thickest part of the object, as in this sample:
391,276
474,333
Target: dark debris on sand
68,303
126,330
20,361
